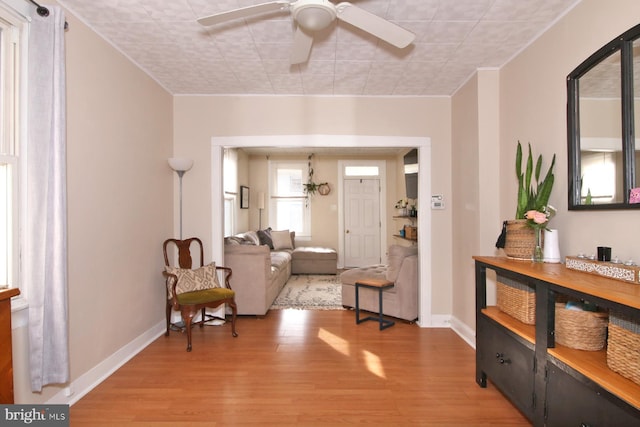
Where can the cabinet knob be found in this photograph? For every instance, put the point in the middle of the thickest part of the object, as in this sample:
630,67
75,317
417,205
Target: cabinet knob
501,359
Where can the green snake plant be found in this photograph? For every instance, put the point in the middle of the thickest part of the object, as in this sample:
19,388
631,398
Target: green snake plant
530,196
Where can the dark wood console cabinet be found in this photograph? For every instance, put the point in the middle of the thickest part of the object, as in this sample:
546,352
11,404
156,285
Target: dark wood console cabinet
553,385
6,358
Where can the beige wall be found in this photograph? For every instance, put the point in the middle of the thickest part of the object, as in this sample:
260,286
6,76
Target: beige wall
119,204
466,200
533,109
198,118
531,99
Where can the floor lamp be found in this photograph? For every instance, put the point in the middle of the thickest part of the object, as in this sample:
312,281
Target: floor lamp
180,166
260,207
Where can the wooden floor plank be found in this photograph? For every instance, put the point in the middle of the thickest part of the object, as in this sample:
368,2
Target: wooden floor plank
303,368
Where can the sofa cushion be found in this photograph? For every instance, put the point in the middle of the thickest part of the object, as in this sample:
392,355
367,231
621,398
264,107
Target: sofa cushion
397,254
314,253
280,259
281,240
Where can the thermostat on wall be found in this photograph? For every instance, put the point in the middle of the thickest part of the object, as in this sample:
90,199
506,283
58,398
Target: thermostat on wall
437,201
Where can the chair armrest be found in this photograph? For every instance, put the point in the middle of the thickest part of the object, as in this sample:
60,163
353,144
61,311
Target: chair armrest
174,278
227,275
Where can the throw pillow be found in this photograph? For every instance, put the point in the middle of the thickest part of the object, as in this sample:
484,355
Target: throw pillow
397,254
233,240
193,280
252,237
265,237
281,240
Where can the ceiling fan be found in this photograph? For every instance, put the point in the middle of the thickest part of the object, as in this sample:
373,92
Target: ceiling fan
315,15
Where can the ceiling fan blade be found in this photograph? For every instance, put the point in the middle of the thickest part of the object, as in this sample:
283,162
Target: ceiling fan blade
302,43
243,12
373,24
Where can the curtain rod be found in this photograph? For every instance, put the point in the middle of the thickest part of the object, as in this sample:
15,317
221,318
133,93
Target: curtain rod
44,12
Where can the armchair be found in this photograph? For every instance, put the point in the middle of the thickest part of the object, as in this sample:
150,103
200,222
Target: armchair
191,291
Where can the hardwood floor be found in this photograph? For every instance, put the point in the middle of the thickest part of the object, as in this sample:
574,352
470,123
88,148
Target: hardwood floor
302,368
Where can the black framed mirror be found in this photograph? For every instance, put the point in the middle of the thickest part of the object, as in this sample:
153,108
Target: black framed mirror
603,108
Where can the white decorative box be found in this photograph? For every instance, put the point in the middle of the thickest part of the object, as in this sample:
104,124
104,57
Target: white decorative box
625,273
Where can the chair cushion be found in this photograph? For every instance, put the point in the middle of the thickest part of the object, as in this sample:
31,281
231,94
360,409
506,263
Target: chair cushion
397,254
194,280
204,296
351,276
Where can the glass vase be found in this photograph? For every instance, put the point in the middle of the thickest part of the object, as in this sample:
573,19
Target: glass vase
537,251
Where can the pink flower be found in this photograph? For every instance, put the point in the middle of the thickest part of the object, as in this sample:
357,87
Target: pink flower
536,216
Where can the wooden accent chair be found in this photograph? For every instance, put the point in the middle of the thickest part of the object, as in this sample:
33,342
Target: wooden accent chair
193,290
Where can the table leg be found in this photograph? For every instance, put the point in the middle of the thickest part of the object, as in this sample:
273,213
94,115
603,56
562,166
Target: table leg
357,306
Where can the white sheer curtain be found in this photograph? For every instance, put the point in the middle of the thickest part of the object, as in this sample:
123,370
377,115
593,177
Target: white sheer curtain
46,203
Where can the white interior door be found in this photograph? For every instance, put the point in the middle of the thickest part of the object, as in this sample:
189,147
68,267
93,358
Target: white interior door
361,222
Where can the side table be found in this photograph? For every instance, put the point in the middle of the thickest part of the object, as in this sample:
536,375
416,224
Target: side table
380,285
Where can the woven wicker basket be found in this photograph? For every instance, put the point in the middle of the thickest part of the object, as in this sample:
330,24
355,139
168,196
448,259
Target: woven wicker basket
582,330
520,240
516,299
623,347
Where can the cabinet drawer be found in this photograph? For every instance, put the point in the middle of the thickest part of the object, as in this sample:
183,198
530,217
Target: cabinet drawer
507,362
570,402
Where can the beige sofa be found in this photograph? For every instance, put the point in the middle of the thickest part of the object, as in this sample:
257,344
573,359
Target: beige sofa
259,272
401,301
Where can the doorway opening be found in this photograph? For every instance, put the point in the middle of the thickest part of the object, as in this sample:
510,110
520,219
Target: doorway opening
338,141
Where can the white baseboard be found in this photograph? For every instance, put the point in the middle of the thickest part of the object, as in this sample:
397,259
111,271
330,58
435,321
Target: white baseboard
436,321
92,378
448,321
464,331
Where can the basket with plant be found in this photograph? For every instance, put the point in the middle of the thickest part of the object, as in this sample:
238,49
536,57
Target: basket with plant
518,238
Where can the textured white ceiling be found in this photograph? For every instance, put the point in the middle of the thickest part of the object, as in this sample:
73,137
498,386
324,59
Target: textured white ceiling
453,39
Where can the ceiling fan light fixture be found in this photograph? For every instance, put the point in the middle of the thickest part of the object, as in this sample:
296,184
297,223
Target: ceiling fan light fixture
312,15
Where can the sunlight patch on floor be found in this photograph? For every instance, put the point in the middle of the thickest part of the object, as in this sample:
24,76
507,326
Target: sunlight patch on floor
374,365
337,343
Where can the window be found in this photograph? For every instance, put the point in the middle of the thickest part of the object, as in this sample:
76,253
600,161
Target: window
351,171
229,215
598,183
230,178
288,201
9,148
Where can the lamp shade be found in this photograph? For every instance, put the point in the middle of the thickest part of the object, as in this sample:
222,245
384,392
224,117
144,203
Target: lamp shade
179,164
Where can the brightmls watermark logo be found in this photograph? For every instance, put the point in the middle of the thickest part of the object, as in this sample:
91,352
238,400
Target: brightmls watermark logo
34,415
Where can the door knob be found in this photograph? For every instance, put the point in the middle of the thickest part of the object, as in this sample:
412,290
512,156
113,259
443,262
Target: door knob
347,231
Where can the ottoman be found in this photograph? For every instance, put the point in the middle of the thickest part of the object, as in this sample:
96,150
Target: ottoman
313,260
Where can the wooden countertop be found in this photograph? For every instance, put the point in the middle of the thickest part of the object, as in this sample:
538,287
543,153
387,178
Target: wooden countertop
8,293
557,274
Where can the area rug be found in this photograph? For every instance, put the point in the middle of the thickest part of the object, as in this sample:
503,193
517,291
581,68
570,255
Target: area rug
310,292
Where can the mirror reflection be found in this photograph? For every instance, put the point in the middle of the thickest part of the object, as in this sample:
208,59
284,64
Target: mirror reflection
603,107
600,107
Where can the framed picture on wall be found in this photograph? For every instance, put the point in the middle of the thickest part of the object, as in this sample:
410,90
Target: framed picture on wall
244,197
